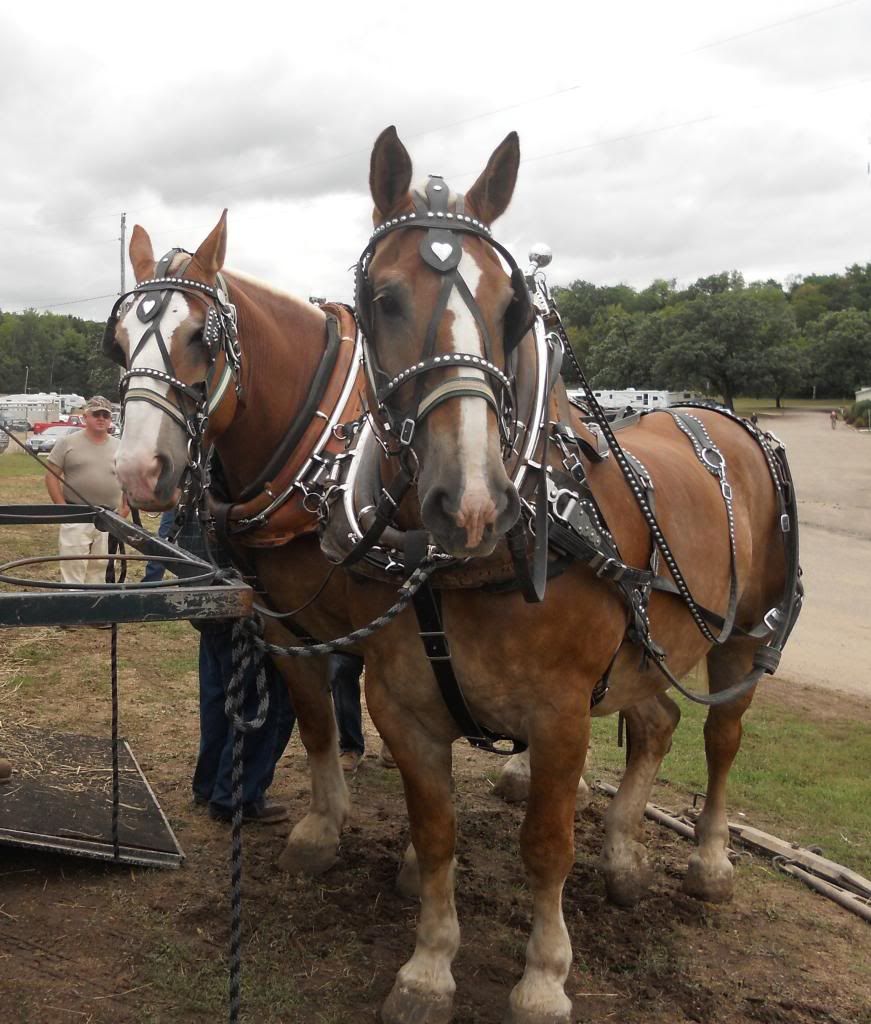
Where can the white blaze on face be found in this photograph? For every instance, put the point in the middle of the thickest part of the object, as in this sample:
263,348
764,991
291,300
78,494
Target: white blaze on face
473,411
142,421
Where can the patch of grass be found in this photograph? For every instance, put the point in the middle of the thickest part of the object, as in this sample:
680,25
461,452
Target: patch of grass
743,406
800,779
191,982
14,464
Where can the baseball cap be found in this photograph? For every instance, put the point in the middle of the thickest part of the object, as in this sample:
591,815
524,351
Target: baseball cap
98,402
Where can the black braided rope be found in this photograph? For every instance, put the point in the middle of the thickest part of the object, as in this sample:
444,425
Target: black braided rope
115,547
244,653
407,591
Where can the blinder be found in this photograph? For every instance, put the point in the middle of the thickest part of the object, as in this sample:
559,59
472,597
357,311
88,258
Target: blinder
219,335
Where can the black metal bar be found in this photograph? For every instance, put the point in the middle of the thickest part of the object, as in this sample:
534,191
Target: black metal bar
111,522
72,607
131,602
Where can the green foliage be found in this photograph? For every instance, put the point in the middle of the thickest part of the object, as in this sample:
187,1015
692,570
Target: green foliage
722,336
860,414
839,345
62,353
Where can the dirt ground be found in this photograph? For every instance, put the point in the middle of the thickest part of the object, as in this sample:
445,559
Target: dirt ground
81,941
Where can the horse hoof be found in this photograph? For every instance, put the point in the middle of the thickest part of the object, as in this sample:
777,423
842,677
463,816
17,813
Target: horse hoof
5,770
512,786
712,883
525,1015
627,882
405,1006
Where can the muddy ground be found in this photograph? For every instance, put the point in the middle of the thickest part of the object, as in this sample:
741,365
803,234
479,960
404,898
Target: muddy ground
86,942
80,941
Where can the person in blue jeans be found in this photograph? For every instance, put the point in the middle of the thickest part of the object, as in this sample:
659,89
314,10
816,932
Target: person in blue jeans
345,671
154,571
212,781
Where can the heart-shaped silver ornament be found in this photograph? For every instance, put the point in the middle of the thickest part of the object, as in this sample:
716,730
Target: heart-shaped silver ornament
147,306
443,250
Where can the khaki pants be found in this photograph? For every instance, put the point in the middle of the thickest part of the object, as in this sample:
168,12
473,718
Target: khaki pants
82,539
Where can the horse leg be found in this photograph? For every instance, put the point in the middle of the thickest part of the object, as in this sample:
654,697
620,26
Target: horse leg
423,992
312,846
547,846
710,873
512,786
624,859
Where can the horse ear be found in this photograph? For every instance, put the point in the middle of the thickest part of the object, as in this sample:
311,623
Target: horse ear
141,254
213,250
389,173
491,193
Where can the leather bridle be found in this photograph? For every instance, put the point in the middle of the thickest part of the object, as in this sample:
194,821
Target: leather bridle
441,249
196,402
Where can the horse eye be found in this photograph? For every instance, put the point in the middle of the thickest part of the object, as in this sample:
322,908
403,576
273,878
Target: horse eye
387,304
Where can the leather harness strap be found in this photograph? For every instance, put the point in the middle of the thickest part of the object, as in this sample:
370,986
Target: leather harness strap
427,605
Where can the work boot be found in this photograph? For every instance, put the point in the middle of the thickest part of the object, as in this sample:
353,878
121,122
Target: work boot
350,761
263,812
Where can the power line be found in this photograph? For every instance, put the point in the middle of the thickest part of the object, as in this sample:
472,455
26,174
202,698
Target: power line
337,158
674,126
554,154
67,302
689,123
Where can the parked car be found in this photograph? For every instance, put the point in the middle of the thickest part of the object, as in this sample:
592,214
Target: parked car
42,444
18,426
72,421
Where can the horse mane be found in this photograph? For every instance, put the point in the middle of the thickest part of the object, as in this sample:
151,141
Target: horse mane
270,299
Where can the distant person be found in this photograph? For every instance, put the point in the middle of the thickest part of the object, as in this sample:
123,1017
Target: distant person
85,461
833,417
754,419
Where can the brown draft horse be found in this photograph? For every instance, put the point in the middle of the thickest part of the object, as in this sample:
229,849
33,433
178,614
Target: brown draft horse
529,671
282,342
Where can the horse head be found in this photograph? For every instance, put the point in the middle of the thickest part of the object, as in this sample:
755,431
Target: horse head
441,319
174,335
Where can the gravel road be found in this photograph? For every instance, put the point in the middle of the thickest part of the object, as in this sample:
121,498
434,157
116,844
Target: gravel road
831,645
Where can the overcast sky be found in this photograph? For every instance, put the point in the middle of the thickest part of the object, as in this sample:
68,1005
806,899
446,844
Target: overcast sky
674,139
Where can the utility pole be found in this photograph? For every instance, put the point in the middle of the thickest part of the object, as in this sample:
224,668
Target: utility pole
123,261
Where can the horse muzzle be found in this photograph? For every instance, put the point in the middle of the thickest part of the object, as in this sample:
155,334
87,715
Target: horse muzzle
471,526
150,482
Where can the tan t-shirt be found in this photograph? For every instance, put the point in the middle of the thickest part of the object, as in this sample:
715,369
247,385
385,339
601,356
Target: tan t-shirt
89,468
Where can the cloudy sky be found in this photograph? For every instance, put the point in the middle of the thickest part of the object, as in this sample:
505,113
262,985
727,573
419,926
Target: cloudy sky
671,140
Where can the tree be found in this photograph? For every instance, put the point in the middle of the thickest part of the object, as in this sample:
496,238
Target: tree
840,348
724,338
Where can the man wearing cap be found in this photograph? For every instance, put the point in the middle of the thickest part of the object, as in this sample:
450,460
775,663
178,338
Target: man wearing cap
85,460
